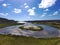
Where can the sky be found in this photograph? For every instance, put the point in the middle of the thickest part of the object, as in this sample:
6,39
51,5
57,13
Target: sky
23,10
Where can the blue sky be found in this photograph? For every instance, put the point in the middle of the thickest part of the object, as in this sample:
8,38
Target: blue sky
22,10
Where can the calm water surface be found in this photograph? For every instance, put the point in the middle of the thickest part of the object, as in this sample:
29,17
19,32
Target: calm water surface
47,32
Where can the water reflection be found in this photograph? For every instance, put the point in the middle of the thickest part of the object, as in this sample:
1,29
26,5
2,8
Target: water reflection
48,32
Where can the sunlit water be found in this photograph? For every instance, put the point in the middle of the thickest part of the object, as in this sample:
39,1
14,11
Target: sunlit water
47,32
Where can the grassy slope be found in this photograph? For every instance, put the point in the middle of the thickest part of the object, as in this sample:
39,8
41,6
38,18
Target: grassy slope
8,24
56,26
14,40
53,24
4,25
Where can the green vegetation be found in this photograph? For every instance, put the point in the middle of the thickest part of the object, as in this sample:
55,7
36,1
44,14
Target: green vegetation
8,24
56,25
5,22
17,40
52,23
33,28
5,25
21,40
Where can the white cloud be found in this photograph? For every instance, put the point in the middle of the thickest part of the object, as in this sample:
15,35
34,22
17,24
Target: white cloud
26,6
46,3
55,13
46,10
44,14
31,11
25,3
4,14
5,5
17,10
33,8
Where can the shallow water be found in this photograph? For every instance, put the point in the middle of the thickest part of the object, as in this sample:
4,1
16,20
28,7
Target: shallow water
47,32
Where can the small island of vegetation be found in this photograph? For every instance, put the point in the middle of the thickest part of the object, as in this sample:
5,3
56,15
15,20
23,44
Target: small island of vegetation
30,27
